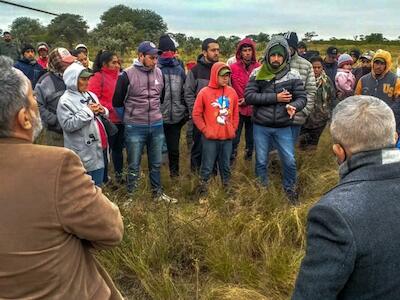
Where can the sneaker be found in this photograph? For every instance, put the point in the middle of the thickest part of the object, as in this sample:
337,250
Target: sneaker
165,198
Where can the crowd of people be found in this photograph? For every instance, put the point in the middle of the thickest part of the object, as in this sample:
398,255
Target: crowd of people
97,109
283,99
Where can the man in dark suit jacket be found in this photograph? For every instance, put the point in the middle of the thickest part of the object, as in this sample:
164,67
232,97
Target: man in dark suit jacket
52,216
353,239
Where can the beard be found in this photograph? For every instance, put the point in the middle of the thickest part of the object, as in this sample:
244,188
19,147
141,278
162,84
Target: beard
275,65
37,127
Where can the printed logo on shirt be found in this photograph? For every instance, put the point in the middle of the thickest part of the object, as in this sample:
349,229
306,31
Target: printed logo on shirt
388,89
223,104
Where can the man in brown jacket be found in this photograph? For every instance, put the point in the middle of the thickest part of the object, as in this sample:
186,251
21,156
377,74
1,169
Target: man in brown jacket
52,216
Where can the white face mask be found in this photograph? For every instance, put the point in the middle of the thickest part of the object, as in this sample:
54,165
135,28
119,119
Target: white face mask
37,127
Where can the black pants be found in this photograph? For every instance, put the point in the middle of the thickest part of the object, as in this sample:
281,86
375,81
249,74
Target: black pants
195,154
248,127
172,134
117,144
310,137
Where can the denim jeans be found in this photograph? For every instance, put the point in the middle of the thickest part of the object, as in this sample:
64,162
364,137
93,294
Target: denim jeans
172,136
117,144
296,129
97,176
283,140
216,151
196,151
248,126
136,137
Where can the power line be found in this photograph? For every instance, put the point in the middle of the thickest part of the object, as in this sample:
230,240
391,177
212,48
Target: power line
27,7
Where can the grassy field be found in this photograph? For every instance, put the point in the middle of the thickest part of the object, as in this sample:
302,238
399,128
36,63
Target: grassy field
243,246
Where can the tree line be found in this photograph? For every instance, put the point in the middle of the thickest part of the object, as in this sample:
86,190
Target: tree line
121,28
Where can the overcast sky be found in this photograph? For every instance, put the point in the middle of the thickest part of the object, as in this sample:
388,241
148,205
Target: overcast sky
210,18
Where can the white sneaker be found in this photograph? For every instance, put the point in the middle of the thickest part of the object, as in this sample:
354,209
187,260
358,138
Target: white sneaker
166,198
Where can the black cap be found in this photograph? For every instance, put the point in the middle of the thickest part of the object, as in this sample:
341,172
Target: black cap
166,43
302,45
356,53
332,50
206,42
27,47
292,39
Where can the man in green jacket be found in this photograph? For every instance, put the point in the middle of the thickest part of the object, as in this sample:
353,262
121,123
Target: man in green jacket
8,48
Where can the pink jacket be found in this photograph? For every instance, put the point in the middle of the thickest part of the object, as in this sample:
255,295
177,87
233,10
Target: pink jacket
103,84
345,81
241,74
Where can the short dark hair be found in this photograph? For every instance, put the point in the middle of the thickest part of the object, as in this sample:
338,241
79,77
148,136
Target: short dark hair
6,32
206,42
316,58
78,51
102,57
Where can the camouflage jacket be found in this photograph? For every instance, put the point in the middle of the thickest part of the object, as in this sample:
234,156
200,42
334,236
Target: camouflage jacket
324,99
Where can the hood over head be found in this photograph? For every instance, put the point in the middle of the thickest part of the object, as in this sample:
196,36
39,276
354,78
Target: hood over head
251,43
71,75
213,83
277,40
383,55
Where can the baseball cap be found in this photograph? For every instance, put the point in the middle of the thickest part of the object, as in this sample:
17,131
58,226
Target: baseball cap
368,55
224,71
85,74
332,51
81,46
65,55
42,47
381,59
147,47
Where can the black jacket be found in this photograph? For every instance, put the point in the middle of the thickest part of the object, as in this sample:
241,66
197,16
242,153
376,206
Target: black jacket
262,94
353,238
196,79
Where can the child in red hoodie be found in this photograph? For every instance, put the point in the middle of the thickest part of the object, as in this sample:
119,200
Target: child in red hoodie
216,115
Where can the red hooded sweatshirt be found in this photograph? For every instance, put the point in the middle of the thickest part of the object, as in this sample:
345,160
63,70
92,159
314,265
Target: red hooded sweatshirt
103,85
241,74
215,111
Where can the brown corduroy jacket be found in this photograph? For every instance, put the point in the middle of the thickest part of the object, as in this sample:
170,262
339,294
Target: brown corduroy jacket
52,220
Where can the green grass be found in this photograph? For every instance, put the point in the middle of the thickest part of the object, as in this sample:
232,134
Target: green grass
245,246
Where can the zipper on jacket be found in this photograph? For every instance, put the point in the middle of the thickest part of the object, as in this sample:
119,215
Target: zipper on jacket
274,118
148,96
170,91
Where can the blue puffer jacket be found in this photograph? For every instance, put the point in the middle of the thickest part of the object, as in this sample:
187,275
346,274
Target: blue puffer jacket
31,69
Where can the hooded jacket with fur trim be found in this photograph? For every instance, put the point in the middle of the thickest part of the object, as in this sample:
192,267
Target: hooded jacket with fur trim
215,111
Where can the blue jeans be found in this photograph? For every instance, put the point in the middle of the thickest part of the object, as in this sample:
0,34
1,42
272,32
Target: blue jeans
296,129
282,138
216,151
97,176
136,136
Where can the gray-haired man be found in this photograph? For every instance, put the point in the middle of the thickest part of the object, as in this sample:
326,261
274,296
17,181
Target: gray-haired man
354,230
52,217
